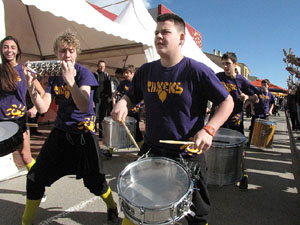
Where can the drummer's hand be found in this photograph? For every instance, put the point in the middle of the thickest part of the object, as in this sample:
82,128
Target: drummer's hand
203,140
243,97
31,112
68,72
120,111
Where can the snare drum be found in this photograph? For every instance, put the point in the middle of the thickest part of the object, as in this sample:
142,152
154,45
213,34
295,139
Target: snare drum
115,135
155,190
263,133
10,137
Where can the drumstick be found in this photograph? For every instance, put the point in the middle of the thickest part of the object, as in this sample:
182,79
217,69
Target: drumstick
129,134
177,142
187,142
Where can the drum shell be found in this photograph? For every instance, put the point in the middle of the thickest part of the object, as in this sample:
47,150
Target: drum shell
224,160
263,133
136,182
115,135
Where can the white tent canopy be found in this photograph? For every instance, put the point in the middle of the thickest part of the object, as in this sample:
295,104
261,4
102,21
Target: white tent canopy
36,23
136,15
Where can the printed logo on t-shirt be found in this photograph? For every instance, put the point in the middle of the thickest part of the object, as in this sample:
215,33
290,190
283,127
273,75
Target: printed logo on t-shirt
163,89
236,119
15,111
229,87
62,90
19,79
264,97
88,124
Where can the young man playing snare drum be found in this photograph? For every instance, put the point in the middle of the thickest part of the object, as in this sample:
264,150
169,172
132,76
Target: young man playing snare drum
175,90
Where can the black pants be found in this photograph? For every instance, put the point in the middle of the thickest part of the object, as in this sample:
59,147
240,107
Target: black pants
197,166
67,154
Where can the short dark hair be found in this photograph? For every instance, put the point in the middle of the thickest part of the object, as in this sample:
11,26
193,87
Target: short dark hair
119,71
230,55
265,81
130,68
172,17
100,61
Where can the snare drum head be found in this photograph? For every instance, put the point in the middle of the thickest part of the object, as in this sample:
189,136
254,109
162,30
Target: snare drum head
228,138
8,129
153,182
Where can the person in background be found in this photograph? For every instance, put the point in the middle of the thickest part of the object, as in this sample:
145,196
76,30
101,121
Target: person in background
176,90
102,95
240,90
71,147
13,91
116,96
121,91
263,108
292,108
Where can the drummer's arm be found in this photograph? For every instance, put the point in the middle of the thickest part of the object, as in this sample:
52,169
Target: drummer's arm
271,109
203,139
120,109
42,103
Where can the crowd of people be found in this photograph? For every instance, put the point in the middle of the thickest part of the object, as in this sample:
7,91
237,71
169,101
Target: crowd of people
175,91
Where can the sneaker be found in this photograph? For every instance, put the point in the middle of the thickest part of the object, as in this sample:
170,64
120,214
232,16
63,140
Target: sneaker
112,216
244,183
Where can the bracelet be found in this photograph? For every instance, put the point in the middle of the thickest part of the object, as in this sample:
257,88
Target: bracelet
210,130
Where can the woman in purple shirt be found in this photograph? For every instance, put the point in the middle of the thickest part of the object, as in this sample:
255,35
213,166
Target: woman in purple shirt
12,94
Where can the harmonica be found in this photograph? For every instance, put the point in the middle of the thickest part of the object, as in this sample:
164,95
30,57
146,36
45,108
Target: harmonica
45,68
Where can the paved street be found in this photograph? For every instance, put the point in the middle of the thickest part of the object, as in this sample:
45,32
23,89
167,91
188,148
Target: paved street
272,198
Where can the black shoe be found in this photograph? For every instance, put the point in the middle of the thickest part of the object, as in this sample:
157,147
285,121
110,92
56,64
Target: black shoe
112,216
244,183
248,144
107,154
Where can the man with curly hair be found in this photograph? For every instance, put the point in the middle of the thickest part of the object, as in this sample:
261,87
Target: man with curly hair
71,147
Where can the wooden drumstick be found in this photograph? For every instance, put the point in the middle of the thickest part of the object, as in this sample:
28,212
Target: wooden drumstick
177,142
129,134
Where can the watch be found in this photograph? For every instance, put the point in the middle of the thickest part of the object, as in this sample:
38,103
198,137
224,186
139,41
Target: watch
210,130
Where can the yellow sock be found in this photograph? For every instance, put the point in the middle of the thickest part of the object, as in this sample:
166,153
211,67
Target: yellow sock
127,221
30,211
29,165
108,199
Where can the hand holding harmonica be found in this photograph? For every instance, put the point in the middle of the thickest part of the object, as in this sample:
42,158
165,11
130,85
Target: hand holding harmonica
44,68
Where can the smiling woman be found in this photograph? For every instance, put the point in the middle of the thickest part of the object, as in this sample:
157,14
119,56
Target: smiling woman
13,91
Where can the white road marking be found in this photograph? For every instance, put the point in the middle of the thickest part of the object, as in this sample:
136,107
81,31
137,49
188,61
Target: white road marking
74,208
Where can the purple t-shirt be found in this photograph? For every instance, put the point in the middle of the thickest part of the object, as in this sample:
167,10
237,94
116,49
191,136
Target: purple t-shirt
69,118
235,88
13,104
175,99
263,106
124,86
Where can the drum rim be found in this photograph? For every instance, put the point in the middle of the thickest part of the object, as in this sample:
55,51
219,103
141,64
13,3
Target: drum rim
223,145
129,119
268,122
129,166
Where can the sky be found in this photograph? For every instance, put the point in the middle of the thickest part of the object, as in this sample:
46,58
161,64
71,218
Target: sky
256,30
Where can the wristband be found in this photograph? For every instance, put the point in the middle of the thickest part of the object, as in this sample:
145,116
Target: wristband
210,130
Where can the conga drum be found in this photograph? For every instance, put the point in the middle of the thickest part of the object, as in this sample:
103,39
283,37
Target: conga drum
263,133
115,135
224,158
